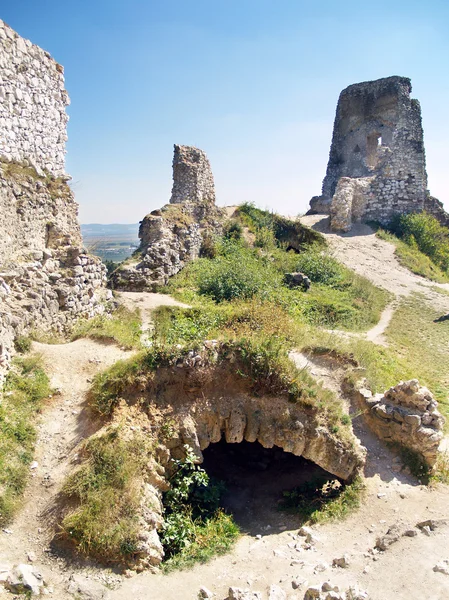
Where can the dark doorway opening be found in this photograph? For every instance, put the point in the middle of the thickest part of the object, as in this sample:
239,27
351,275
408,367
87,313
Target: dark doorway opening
256,479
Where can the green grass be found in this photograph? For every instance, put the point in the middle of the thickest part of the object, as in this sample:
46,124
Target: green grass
107,491
413,259
338,298
25,389
123,327
214,537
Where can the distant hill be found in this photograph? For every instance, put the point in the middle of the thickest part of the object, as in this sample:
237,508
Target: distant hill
114,241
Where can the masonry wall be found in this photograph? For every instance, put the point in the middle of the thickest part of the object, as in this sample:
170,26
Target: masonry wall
378,140
32,104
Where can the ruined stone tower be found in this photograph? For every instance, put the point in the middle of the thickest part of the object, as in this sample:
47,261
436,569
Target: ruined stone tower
192,176
173,235
376,165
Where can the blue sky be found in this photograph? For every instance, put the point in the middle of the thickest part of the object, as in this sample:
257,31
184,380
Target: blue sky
254,83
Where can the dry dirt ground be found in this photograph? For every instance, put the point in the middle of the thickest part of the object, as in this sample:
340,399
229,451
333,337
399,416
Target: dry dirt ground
273,553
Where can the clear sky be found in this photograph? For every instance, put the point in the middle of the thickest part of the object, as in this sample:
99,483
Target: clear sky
254,83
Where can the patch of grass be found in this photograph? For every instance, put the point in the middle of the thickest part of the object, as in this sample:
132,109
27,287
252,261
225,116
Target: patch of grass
26,387
212,538
22,344
107,491
425,232
320,500
339,298
414,461
123,326
413,259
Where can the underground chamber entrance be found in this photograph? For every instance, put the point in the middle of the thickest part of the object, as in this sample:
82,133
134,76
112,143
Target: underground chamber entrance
261,484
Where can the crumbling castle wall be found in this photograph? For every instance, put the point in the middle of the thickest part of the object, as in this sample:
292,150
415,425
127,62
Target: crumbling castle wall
377,141
47,279
32,104
173,235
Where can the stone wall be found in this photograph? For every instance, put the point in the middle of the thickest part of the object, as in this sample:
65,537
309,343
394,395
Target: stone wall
377,139
47,279
32,104
406,414
173,236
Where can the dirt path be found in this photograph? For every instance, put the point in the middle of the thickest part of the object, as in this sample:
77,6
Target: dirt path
367,255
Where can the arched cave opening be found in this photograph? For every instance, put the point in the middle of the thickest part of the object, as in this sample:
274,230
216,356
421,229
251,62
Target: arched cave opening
256,480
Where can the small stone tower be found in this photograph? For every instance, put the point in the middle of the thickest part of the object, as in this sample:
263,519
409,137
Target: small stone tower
192,176
377,164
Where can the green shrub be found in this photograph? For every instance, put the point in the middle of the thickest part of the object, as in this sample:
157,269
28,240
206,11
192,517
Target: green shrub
424,231
265,239
191,507
233,230
320,267
22,344
237,275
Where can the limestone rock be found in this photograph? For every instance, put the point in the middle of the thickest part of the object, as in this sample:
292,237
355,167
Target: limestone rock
25,579
276,593
236,593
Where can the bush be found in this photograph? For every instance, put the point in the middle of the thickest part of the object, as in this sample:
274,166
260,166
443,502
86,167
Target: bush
320,267
233,230
22,344
424,231
237,274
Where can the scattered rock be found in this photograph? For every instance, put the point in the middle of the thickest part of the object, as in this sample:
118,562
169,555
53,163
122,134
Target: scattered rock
389,538
442,567
342,562
25,579
410,533
312,593
205,592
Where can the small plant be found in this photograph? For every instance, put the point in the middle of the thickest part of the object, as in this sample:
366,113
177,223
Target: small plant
191,510
22,344
324,499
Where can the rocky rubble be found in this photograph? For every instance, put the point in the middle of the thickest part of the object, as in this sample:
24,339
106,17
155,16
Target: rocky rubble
406,414
174,235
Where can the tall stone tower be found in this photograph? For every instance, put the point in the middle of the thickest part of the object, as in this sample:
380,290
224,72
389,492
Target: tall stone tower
377,164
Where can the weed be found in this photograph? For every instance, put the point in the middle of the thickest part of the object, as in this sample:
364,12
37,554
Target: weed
25,389
22,344
123,327
107,490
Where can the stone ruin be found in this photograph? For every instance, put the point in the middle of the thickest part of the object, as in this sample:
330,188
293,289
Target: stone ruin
377,166
172,236
406,414
47,278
